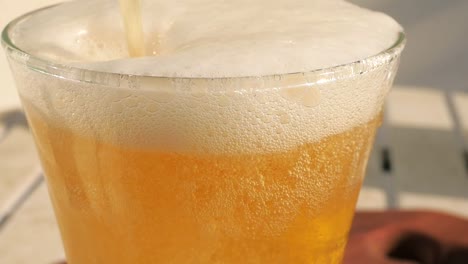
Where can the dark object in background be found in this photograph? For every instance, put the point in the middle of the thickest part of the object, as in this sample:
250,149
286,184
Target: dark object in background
407,237
416,247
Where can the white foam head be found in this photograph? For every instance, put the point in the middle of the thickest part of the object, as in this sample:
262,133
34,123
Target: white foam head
212,39
205,38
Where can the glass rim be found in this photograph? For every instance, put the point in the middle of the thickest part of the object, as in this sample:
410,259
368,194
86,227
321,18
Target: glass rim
107,78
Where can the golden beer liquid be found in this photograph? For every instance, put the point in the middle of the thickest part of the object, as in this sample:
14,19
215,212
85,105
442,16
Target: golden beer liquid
122,205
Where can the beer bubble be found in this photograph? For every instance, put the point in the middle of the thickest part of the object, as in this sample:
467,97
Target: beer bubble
284,118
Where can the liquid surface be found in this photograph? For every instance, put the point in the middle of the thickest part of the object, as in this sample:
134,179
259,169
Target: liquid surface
125,205
205,38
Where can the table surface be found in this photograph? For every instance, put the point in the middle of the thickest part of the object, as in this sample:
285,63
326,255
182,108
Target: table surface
419,161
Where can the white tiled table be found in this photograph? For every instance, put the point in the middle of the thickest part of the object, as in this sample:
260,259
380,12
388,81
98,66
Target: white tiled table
425,137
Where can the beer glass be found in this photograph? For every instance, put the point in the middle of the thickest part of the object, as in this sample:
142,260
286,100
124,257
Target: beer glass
254,169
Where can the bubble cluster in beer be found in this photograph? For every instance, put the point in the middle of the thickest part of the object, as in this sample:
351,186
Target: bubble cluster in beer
179,117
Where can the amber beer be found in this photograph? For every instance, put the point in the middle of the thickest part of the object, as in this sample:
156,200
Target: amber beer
118,204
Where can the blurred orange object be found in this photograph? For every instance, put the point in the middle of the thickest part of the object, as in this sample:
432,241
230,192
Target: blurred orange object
407,237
